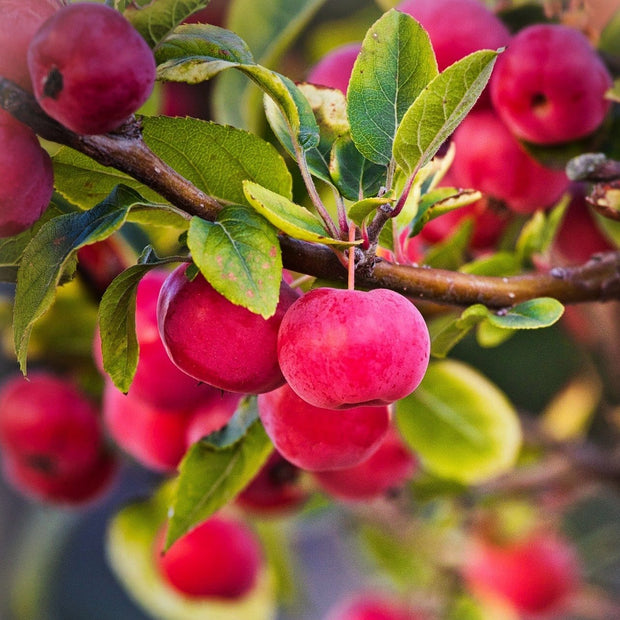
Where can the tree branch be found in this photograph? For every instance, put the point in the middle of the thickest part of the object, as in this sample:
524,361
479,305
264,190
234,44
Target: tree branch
125,150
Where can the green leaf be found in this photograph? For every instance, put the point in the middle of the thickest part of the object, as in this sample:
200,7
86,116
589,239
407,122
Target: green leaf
292,219
117,321
448,330
196,52
239,255
329,108
395,63
440,108
268,27
217,159
501,264
47,255
449,254
460,425
212,473
355,176
532,314
154,20
86,183
360,210
129,549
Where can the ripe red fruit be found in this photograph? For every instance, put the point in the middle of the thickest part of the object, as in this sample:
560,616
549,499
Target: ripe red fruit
275,489
490,159
74,489
72,76
334,69
45,421
220,558
26,177
20,21
386,469
370,606
549,85
155,437
212,415
216,341
157,381
344,348
317,439
535,575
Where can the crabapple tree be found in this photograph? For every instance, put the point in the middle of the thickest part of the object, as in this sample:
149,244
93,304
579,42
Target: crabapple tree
329,276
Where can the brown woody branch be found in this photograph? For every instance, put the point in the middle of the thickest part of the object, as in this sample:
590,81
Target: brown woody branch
126,151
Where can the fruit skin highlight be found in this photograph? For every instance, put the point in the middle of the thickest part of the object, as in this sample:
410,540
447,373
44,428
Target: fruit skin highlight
549,85
334,350
216,341
26,177
72,76
220,558
317,439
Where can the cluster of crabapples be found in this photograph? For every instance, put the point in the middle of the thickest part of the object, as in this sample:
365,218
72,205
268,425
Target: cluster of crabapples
547,89
323,375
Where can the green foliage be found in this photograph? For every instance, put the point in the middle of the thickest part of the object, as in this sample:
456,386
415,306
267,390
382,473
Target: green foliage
49,253
117,322
239,255
216,468
154,20
439,109
396,62
459,424
269,28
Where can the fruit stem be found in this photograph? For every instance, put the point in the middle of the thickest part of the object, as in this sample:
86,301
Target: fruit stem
351,264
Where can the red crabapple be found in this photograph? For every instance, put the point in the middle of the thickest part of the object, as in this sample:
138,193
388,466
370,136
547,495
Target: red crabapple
334,69
74,489
157,380
20,21
490,159
74,79
26,177
317,439
549,85
155,437
47,422
386,469
345,348
535,575
275,489
370,606
220,558
216,341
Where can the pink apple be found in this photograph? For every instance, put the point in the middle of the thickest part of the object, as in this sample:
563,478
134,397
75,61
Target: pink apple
216,341
345,348
317,439
334,69
549,85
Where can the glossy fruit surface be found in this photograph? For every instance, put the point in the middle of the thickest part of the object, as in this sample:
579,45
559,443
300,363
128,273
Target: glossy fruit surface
535,574
334,350
317,439
549,85
20,21
216,341
72,76
385,470
26,177
219,558
490,159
